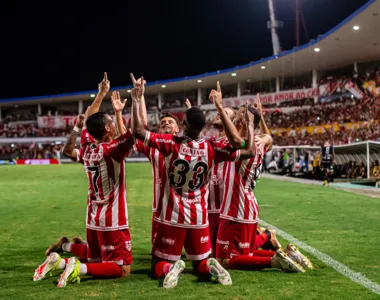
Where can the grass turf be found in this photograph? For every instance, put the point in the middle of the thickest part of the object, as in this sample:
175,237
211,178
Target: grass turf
41,203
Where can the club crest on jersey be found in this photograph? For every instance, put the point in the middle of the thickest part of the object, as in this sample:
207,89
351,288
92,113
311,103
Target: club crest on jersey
192,152
128,245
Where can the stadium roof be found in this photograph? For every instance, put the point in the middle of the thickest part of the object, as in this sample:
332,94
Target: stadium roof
340,46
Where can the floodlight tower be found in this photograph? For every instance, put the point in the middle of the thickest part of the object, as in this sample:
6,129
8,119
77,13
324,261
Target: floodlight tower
273,25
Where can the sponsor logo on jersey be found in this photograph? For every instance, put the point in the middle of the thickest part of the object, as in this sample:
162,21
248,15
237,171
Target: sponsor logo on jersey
93,156
165,141
244,245
197,200
223,150
222,242
204,239
122,141
107,248
168,241
192,152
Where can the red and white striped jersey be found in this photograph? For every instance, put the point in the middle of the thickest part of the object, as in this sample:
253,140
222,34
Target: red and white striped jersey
218,173
158,170
239,202
188,165
104,165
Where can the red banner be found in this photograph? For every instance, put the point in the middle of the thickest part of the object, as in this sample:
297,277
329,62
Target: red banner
274,97
37,162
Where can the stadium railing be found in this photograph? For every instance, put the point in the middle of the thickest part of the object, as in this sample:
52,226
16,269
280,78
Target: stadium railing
366,152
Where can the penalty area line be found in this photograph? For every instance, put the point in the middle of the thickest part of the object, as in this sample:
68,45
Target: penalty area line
336,265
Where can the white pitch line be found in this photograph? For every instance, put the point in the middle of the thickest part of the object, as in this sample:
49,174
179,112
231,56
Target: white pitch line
339,267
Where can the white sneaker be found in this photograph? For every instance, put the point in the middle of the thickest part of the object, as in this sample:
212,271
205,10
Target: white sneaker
47,267
293,252
218,272
171,279
287,264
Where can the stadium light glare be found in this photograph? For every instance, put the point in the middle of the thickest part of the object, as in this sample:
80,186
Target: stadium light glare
163,86
356,27
317,49
263,67
199,81
92,95
233,74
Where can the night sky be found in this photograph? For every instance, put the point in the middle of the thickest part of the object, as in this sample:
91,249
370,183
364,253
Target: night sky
66,48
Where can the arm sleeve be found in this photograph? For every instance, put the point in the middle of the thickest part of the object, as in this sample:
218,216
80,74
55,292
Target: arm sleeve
225,152
164,143
120,147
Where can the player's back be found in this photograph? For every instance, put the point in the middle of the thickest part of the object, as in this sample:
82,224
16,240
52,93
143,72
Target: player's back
104,166
188,163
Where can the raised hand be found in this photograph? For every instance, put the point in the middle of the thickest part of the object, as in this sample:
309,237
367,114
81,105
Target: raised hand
188,104
79,122
216,96
258,105
117,105
104,85
139,86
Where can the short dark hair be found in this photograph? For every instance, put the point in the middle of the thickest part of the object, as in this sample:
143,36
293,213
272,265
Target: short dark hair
169,115
195,119
95,125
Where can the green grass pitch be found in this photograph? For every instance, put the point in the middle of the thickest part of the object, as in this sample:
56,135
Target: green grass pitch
38,204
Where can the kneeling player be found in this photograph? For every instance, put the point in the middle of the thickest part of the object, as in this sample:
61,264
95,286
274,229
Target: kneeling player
108,234
182,212
239,216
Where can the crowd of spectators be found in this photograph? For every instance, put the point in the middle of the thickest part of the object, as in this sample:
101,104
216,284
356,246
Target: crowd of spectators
30,151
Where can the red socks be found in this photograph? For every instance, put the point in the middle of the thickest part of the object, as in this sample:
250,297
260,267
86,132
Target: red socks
161,268
105,270
246,262
79,250
264,253
201,267
260,240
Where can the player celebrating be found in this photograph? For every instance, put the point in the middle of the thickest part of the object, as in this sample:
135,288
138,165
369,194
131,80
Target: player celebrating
182,213
108,234
239,211
216,180
168,125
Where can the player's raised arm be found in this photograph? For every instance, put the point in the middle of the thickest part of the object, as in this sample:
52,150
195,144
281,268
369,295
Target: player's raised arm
118,107
103,87
265,137
137,92
69,148
229,128
142,110
250,149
